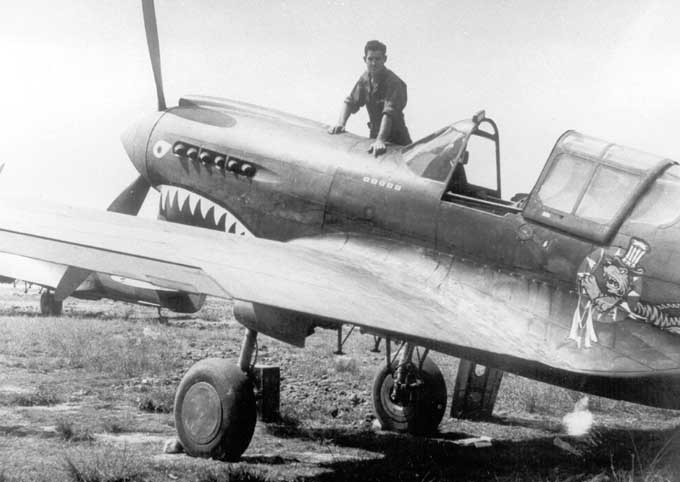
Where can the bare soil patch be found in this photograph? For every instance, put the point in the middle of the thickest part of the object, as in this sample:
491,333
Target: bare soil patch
88,396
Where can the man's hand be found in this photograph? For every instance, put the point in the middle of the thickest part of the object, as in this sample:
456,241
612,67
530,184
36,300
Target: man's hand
377,148
336,129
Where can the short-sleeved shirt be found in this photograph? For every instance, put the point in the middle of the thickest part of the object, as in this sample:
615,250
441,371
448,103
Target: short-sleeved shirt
383,94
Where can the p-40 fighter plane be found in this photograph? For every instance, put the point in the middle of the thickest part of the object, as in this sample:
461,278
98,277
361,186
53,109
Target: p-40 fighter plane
576,285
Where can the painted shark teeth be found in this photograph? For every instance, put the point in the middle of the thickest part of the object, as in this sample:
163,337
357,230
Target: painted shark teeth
180,205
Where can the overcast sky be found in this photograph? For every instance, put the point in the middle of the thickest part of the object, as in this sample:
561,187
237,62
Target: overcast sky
75,73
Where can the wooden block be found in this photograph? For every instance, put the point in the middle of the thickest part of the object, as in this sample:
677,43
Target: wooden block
267,392
475,391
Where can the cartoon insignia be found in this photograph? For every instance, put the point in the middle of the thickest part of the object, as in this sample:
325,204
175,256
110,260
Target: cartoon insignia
609,287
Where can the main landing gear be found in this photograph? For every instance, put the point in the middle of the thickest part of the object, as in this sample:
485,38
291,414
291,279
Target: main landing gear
215,404
215,410
409,392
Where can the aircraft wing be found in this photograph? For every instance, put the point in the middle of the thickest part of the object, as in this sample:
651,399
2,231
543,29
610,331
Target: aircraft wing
387,288
31,270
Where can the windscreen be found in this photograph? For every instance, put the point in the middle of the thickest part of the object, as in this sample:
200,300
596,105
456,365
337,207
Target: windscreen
433,156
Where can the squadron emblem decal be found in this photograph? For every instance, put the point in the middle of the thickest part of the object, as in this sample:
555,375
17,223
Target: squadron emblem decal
610,284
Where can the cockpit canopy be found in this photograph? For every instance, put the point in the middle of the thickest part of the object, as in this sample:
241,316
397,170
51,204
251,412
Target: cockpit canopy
588,187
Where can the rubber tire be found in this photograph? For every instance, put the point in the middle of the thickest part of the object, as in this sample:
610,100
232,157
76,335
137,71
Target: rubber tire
424,416
48,305
237,412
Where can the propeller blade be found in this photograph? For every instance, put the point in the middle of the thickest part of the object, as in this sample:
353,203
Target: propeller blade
131,199
154,48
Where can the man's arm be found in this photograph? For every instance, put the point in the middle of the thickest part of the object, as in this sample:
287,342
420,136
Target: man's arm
395,101
345,112
378,146
355,100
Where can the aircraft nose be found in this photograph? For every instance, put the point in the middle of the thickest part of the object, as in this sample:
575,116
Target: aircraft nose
135,139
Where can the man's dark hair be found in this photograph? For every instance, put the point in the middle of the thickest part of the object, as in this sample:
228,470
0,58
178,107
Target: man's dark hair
375,45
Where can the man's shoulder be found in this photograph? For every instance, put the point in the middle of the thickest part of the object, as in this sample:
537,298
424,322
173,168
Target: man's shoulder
392,77
363,78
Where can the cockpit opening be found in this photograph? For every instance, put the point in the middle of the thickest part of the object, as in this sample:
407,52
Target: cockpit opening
465,158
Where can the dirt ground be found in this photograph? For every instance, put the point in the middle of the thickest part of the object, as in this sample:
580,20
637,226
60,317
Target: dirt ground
88,396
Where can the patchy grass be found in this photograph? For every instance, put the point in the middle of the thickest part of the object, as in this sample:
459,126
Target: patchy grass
114,426
111,468
159,400
518,394
230,474
116,348
72,432
44,395
288,424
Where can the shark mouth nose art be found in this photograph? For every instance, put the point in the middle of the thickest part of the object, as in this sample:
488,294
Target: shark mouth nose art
179,205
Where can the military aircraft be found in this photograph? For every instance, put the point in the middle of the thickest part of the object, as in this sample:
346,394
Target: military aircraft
574,284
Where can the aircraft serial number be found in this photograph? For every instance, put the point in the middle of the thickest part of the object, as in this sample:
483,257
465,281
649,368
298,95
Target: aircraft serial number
382,183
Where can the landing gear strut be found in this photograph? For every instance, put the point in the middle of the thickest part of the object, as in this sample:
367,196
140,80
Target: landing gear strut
215,409
409,393
49,306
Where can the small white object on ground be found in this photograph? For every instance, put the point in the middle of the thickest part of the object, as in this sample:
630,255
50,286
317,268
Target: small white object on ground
173,446
580,420
476,442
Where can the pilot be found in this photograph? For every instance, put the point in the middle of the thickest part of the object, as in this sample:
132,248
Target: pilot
384,95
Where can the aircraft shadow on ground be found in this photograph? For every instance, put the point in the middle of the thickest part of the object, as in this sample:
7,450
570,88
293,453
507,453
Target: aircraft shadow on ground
439,458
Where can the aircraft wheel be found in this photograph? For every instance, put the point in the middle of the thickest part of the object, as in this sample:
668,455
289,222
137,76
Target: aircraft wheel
416,408
48,305
215,410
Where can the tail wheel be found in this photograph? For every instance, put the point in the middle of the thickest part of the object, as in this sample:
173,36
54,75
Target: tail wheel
215,410
417,406
49,306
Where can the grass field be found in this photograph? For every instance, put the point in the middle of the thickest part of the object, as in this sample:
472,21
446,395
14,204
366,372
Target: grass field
88,397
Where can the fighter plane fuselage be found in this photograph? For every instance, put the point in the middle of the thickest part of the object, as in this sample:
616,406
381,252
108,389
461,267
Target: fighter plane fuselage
588,257
307,183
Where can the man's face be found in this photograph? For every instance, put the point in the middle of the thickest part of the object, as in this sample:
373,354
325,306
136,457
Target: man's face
375,61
